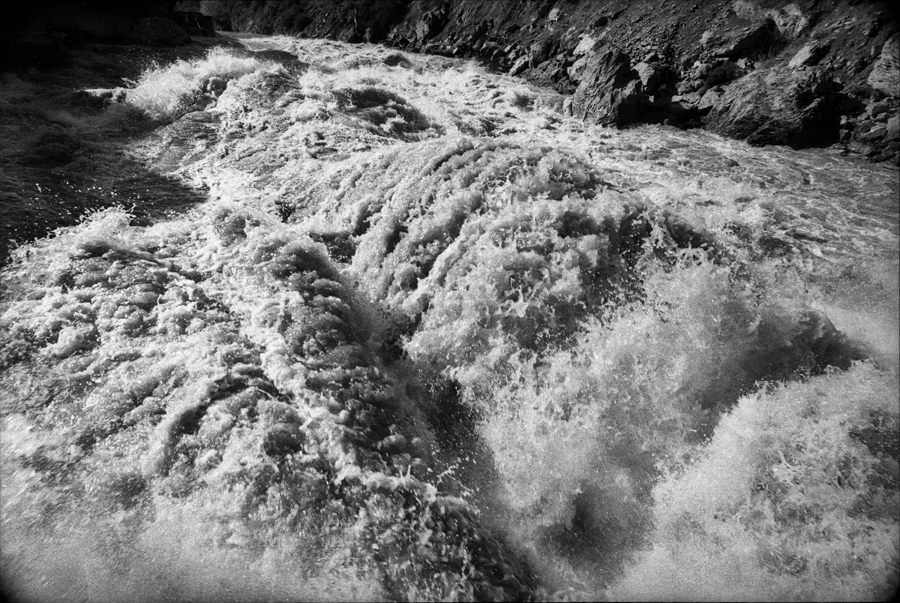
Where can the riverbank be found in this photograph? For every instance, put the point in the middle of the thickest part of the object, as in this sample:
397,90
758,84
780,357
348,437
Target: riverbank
802,74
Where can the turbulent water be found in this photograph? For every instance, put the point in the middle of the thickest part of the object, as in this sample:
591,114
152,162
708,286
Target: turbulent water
408,331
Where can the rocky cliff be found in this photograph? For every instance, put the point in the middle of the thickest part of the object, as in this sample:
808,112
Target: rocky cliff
803,73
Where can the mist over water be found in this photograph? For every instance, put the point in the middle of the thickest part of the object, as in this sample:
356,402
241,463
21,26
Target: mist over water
409,331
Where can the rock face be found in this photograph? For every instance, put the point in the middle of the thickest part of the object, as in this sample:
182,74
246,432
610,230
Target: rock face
780,106
611,92
885,76
809,55
737,39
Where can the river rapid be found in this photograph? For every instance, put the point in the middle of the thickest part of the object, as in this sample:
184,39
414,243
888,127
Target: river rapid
345,323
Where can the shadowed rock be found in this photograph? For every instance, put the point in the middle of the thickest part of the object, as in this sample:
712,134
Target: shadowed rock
885,76
780,106
610,91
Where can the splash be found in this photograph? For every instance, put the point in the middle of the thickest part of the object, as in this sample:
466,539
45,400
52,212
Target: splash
427,337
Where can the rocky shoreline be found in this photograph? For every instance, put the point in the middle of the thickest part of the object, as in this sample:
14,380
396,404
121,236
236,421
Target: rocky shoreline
802,74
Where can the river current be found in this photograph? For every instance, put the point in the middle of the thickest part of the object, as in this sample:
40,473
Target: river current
375,325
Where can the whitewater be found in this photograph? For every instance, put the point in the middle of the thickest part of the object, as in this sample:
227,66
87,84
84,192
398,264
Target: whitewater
386,326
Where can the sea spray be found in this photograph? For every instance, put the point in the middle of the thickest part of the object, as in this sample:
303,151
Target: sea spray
425,339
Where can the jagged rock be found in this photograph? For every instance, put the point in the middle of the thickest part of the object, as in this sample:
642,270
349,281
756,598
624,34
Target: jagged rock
688,86
709,99
576,70
519,66
653,75
791,20
556,70
722,72
893,128
586,45
677,111
874,134
477,33
689,98
733,42
885,75
697,71
430,24
540,51
809,55
780,106
610,91
877,108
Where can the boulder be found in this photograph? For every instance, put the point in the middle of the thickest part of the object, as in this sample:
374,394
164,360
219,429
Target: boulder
810,54
681,109
540,51
430,25
478,32
875,134
893,128
653,76
610,91
586,45
687,86
877,109
577,68
734,41
885,75
519,66
688,98
709,99
791,20
722,72
780,105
